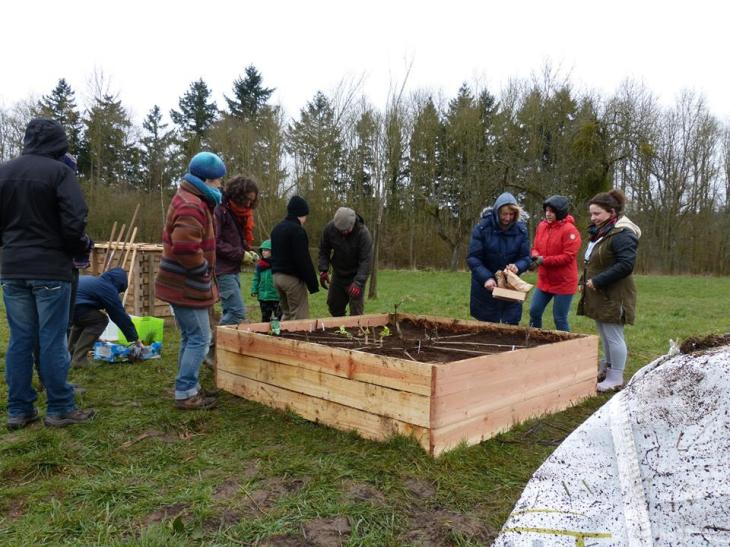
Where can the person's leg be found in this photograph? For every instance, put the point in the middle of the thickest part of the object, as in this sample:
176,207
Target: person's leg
87,328
600,327
337,297
357,305
266,310
234,310
613,336
22,319
295,294
561,308
195,329
538,304
280,284
52,302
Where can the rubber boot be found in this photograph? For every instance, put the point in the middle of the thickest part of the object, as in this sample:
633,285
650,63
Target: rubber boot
614,381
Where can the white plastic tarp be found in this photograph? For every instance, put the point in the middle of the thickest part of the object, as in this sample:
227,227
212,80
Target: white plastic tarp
651,467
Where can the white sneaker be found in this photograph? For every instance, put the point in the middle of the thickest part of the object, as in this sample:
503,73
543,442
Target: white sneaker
613,382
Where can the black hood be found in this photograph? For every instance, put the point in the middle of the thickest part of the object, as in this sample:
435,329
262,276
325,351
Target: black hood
559,204
45,137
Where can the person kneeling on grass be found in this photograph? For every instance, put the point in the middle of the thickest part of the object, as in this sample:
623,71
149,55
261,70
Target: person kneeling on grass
93,295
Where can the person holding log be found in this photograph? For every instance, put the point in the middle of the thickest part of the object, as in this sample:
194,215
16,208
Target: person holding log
498,242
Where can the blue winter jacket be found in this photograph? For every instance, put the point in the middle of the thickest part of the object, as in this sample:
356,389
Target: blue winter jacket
490,250
102,293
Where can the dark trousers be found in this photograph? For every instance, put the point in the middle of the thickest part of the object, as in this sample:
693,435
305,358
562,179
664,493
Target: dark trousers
269,308
338,298
85,331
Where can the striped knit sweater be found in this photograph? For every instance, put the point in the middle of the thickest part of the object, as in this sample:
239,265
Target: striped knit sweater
188,255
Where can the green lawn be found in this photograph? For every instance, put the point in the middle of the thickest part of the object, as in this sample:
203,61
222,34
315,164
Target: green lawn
144,473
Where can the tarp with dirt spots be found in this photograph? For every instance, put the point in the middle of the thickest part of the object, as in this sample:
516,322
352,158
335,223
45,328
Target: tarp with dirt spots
651,467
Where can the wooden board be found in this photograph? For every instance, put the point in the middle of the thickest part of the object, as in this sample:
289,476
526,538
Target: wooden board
442,405
508,294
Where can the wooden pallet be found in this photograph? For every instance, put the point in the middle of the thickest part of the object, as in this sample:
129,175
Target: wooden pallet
440,405
144,263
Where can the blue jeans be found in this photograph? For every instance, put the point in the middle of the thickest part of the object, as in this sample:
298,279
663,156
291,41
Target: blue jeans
234,311
561,307
37,311
194,328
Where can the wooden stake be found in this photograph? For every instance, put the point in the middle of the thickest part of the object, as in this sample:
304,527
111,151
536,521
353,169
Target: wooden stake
130,276
109,245
129,246
108,262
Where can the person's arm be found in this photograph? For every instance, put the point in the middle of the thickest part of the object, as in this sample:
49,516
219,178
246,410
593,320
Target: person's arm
624,246
571,245
186,238
474,259
73,213
325,250
302,260
117,313
224,248
365,256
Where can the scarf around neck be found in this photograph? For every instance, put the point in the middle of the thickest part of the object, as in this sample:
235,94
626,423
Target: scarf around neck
239,211
210,194
596,232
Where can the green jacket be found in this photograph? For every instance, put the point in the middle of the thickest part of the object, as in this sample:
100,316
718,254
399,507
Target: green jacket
610,266
263,283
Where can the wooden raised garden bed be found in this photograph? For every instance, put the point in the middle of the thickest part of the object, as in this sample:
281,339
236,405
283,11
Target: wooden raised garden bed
440,380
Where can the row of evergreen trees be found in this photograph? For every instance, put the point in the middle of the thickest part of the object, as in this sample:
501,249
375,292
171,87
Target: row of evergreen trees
420,168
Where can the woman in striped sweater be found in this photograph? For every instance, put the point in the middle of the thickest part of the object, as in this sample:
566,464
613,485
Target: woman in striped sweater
186,278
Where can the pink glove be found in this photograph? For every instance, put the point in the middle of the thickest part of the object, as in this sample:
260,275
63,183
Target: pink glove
354,290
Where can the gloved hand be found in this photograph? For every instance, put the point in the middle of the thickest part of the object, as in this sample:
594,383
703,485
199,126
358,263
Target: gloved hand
83,261
354,290
250,258
136,350
536,262
324,280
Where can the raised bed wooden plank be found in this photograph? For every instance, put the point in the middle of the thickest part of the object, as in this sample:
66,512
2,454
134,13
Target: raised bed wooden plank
370,426
485,426
374,369
375,399
304,325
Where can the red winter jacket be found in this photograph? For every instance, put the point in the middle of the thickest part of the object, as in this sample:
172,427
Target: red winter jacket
558,243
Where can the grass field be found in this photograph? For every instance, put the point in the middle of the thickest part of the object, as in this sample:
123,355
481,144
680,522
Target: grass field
143,473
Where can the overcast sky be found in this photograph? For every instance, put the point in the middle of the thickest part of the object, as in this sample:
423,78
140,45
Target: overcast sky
150,51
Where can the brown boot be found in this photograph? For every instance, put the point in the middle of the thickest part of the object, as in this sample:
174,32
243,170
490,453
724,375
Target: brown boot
196,402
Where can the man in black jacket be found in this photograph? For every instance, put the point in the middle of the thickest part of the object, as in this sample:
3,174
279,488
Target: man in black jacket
42,220
346,244
291,264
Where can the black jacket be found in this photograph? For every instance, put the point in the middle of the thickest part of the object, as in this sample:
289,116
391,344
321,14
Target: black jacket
42,211
290,252
350,255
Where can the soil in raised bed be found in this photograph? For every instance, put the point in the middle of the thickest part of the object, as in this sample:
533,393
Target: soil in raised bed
428,342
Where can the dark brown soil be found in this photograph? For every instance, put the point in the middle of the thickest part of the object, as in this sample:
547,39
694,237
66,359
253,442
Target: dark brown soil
695,343
166,512
428,342
439,527
327,532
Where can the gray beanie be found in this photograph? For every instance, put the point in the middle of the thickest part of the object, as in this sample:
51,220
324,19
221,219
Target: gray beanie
345,219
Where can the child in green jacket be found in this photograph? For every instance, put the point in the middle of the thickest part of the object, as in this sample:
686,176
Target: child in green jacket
263,288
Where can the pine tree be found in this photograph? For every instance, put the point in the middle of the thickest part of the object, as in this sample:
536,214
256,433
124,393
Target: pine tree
108,154
156,152
250,97
60,105
195,117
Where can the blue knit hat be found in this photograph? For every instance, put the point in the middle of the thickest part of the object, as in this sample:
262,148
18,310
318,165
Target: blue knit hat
206,165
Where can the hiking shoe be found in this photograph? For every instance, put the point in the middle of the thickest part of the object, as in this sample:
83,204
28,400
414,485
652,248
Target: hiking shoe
77,416
19,422
196,402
